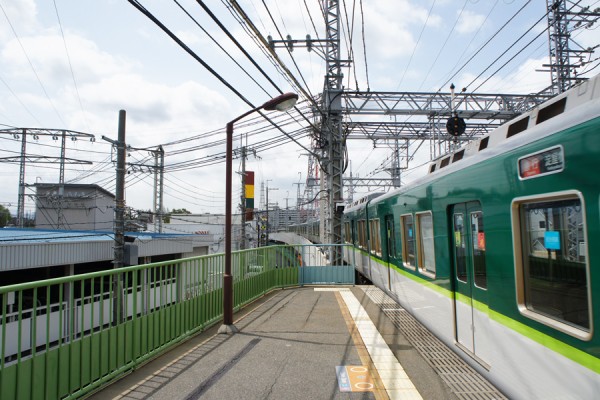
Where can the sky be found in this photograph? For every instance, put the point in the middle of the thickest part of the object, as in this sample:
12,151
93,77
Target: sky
74,64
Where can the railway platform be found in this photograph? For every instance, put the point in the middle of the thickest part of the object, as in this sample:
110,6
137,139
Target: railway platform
310,343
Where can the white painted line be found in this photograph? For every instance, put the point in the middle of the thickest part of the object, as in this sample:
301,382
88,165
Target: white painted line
397,384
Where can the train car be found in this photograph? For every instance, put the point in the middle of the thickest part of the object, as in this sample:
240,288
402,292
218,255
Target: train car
352,228
497,249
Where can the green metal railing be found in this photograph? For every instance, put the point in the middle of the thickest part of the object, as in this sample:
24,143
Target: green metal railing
62,338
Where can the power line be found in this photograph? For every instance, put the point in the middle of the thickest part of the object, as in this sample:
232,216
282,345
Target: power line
70,64
32,67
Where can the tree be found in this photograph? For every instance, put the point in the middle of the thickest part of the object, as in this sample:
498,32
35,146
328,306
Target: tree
5,216
179,211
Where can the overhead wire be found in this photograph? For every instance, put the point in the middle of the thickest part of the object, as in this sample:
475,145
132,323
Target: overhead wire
176,39
288,49
508,49
364,43
486,43
350,39
240,47
19,100
434,63
31,66
83,114
240,15
416,44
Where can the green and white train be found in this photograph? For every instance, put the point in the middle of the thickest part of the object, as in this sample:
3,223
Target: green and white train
497,249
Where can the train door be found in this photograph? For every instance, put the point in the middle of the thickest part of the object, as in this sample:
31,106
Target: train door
390,240
470,280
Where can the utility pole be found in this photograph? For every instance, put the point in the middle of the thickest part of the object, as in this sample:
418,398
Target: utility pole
268,222
119,227
159,170
21,204
120,194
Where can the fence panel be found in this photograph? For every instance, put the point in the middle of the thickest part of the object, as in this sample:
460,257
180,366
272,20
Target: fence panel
71,335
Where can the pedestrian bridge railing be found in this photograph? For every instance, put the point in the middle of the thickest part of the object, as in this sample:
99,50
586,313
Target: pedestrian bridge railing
62,338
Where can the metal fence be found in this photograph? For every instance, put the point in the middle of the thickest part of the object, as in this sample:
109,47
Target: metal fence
64,337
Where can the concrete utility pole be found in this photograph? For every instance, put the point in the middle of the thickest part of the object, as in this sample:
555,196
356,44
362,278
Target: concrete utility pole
159,170
119,227
120,195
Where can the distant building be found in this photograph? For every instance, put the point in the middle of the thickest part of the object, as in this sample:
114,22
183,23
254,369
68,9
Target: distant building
73,206
210,227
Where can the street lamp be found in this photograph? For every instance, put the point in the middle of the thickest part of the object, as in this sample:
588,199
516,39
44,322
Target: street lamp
283,102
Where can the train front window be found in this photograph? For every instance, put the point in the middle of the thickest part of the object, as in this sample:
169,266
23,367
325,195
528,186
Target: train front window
408,241
553,274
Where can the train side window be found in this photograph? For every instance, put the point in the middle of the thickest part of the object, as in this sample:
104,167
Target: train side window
362,234
551,111
347,232
459,247
483,144
478,240
408,241
517,127
552,262
425,243
391,236
375,236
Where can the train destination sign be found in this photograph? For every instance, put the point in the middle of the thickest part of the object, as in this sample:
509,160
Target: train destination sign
543,163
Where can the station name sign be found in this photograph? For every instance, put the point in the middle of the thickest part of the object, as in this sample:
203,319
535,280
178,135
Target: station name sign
546,162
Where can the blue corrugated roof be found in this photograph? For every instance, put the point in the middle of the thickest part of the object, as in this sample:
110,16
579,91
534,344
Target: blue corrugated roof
22,235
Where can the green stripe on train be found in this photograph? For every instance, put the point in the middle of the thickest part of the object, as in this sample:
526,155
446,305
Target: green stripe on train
570,352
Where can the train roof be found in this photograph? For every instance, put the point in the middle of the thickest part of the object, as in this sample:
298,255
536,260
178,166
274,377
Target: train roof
363,200
562,103
574,106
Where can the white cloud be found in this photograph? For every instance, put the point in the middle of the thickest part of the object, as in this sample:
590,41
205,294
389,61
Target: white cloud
469,22
49,58
21,14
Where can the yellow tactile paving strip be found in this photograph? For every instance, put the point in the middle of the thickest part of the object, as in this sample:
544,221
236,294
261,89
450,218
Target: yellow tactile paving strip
383,365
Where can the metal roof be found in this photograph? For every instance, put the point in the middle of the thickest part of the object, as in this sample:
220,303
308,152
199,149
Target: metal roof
35,248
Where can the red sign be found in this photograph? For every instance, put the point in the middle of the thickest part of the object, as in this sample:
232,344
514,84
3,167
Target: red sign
481,241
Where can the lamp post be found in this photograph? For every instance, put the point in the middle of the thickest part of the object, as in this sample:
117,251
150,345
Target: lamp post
283,102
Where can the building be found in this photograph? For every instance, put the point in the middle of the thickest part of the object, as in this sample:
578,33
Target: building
73,207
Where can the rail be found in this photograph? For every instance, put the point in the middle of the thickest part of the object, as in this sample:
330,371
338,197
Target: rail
65,337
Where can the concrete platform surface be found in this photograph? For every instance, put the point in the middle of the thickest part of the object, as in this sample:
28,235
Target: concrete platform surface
292,344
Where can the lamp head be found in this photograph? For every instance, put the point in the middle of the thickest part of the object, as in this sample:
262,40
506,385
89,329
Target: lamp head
282,102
